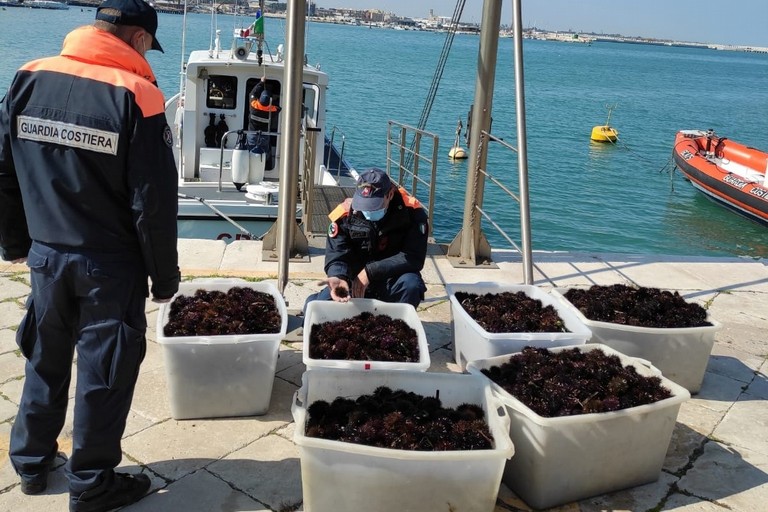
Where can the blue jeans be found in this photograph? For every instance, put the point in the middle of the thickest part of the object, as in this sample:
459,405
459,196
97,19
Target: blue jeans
407,288
92,303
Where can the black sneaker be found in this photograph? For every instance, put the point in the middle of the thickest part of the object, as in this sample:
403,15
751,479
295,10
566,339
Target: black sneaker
35,485
39,482
125,489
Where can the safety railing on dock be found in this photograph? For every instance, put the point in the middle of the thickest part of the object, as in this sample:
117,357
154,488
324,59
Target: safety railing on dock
406,144
307,181
485,140
485,143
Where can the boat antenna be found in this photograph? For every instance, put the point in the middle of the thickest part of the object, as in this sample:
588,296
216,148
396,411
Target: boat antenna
438,74
183,49
213,14
259,30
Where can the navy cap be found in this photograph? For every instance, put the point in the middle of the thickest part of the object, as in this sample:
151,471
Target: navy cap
264,98
372,188
135,13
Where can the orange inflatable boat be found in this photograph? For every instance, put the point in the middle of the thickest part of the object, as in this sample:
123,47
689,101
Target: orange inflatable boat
729,173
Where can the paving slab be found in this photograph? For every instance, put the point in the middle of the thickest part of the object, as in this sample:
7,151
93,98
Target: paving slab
734,478
201,491
7,343
12,287
267,469
745,425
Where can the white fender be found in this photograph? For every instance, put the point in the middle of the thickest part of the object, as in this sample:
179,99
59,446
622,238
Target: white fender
258,162
240,167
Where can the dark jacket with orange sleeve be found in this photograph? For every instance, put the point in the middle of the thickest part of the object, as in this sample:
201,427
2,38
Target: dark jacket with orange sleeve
86,157
395,245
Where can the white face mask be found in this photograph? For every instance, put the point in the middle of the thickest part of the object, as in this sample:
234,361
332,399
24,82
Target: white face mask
374,215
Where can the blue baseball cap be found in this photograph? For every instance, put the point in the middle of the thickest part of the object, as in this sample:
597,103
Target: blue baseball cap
372,188
134,13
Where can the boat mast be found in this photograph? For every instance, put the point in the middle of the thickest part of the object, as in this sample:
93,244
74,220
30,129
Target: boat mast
260,37
291,241
470,245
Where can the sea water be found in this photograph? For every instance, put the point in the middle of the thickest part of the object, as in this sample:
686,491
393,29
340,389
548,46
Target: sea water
583,196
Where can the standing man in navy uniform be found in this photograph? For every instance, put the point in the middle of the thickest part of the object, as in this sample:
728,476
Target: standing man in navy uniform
88,197
376,245
262,116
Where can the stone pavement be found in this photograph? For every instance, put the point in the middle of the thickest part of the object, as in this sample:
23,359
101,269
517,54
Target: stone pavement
717,460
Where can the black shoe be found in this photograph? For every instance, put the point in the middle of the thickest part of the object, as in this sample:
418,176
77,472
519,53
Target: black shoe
125,489
35,485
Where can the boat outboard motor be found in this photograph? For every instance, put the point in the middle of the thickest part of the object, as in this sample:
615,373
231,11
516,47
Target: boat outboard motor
240,157
710,134
210,132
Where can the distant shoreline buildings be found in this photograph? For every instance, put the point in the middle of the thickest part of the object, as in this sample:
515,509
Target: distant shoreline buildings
382,19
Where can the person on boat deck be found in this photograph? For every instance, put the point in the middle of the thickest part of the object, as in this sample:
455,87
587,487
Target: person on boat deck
376,245
88,198
262,117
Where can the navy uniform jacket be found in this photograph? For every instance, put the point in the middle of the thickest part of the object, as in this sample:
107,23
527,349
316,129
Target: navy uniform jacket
86,157
395,245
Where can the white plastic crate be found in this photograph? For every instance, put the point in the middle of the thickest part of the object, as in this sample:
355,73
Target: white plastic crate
346,477
321,311
471,341
568,458
682,354
220,376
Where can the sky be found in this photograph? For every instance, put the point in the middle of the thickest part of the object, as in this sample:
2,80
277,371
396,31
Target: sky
736,22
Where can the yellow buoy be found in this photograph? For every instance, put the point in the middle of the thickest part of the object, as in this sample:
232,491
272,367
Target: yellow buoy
605,133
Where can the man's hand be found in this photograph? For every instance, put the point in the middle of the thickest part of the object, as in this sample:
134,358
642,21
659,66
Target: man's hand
360,284
339,288
20,260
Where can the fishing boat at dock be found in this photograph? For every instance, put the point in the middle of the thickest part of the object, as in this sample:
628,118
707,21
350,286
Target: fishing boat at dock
731,174
226,191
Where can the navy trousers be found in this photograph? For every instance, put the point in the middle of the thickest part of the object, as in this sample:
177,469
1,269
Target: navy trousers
92,303
408,288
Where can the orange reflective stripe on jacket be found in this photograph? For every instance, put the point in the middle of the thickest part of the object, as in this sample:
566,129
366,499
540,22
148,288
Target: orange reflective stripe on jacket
409,200
258,106
341,210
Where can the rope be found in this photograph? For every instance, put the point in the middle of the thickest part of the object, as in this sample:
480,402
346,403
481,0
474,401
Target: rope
438,75
669,166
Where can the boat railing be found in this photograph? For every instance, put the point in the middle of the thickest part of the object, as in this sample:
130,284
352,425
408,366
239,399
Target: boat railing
329,159
224,146
307,178
409,144
484,146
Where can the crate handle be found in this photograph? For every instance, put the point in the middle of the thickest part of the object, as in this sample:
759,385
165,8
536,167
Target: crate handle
647,364
501,411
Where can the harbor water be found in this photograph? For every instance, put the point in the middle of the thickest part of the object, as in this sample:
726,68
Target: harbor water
584,196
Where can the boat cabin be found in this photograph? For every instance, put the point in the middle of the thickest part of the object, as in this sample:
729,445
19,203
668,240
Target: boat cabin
215,101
